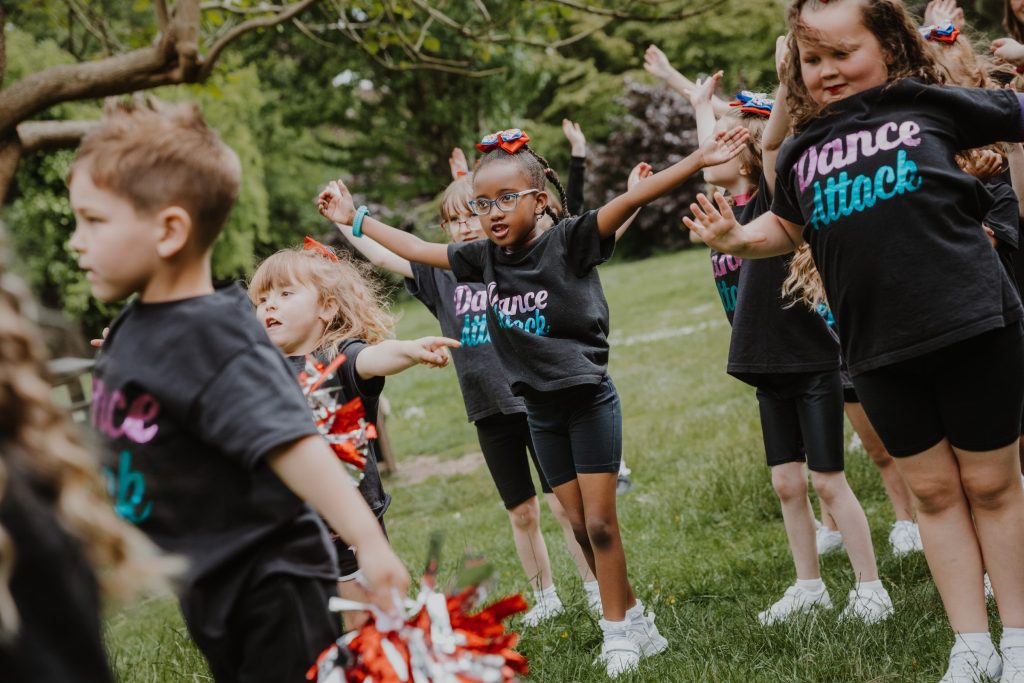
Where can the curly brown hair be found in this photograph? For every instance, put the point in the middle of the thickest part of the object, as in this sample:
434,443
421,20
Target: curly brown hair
891,24
38,438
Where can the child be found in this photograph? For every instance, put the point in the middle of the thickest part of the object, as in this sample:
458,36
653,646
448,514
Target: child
212,445
929,322
58,534
788,354
313,301
548,321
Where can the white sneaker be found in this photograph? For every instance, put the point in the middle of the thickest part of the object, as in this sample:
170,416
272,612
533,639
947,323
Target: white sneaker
1013,664
542,611
905,538
594,603
794,601
870,606
644,633
968,666
827,539
619,655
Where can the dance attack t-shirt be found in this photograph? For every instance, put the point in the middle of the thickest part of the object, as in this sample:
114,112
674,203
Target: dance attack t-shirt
191,395
546,310
461,309
893,224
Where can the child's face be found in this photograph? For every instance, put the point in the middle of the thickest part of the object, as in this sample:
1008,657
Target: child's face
1017,7
292,316
116,245
515,228
847,57
464,228
728,174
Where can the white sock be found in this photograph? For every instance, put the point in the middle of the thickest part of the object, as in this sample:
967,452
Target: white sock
1012,637
546,595
870,586
976,642
614,629
811,585
636,611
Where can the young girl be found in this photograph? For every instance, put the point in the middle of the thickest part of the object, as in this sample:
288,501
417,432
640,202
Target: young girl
60,541
789,355
548,321
312,300
929,322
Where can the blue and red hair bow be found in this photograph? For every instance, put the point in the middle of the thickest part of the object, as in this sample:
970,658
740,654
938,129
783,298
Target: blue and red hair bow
942,33
510,140
754,103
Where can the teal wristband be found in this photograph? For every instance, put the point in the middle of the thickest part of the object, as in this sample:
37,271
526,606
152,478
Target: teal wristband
357,224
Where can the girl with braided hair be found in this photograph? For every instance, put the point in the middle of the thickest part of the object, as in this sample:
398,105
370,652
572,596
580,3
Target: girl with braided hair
61,543
548,322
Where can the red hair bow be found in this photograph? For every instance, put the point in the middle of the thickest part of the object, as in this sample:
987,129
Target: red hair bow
310,244
510,140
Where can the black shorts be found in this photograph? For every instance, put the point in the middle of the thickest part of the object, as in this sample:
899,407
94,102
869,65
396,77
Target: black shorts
275,631
508,449
576,430
802,419
971,393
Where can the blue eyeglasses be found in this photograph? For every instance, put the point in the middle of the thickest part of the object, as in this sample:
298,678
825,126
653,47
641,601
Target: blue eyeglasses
506,202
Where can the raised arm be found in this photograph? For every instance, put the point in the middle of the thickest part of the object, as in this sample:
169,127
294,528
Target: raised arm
577,166
701,99
336,204
657,64
719,150
767,235
640,172
377,254
777,128
392,356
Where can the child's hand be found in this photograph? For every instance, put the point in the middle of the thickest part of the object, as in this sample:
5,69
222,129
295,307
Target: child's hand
941,12
458,164
704,90
335,203
991,235
386,577
575,137
98,343
656,63
639,172
716,228
1007,50
781,55
431,351
724,146
984,164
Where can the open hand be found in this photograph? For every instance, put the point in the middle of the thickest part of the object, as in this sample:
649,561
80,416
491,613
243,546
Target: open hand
724,146
98,343
639,172
717,228
575,137
432,351
458,164
941,12
386,578
335,203
781,55
704,89
983,164
1007,50
656,63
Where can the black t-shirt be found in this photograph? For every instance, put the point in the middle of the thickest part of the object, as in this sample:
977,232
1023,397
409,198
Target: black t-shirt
546,309
726,270
772,334
190,396
894,225
54,590
461,308
1003,218
349,385
574,188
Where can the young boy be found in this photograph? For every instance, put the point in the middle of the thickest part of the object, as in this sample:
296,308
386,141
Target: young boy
213,448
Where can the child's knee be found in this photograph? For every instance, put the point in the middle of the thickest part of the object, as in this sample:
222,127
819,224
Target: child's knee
602,532
789,483
992,491
525,516
935,495
829,485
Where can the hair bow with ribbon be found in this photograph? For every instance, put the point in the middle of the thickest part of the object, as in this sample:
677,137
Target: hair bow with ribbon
753,103
510,140
942,33
310,244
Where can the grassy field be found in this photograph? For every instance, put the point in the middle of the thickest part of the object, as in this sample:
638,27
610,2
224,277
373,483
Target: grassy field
702,527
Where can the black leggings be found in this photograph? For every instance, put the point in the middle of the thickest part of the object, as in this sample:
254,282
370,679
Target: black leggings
507,447
802,419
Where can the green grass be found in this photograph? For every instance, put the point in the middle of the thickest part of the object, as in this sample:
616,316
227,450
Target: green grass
702,527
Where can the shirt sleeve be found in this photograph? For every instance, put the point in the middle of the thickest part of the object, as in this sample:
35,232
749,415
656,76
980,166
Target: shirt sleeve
354,385
253,405
786,201
423,286
1003,216
979,116
467,260
583,244
574,188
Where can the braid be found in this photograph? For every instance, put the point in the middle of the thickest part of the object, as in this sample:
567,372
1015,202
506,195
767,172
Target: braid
553,178
538,172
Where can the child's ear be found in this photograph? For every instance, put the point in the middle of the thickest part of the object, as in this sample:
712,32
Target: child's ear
542,202
174,228
328,311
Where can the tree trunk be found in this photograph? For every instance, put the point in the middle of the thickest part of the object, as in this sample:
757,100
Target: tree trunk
10,155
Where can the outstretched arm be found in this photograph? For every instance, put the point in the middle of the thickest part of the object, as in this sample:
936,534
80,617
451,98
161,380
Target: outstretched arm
335,203
719,150
640,172
656,64
767,235
392,356
702,100
375,253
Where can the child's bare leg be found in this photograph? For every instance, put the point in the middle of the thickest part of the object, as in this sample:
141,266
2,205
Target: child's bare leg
530,545
895,487
571,499
826,516
790,483
571,544
833,488
602,525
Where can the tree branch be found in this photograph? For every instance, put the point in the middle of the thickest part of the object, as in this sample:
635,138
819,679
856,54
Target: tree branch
620,14
45,136
160,9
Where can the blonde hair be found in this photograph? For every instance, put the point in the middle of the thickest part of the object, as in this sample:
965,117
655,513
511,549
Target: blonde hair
157,155
38,438
958,62
455,200
803,284
347,284
752,153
